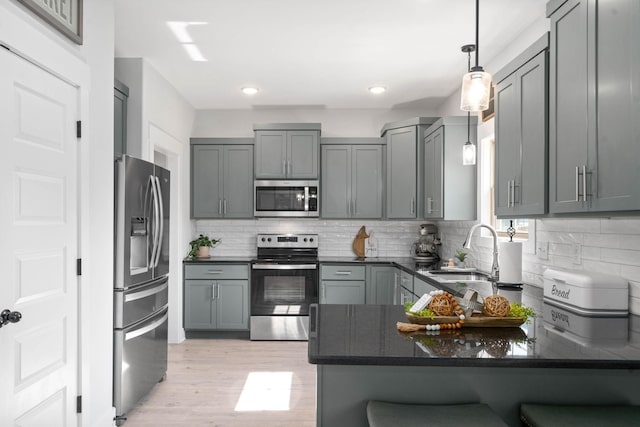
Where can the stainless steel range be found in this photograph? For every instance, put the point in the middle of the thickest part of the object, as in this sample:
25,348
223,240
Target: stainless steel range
284,282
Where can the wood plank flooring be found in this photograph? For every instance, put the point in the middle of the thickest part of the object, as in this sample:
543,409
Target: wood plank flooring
205,378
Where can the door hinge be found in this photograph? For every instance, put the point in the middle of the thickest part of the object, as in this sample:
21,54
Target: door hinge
79,129
79,267
78,404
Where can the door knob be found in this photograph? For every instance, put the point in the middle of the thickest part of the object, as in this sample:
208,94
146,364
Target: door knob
8,316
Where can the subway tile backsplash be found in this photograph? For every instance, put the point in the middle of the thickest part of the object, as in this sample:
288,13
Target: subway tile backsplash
609,245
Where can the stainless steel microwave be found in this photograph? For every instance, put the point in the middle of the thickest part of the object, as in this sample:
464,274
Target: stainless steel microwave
286,198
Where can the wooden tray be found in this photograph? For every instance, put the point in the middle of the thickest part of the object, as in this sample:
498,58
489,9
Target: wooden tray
475,321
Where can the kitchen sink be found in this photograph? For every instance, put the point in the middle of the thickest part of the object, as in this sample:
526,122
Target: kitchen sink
458,276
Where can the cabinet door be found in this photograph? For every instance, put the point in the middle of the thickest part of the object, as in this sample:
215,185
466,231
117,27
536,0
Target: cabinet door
568,106
615,159
420,287
342,292
366,181
401,173
302,154
529,193
232,304
198,304
507,140
336,181
206,181
271,154
380,284
238,181
433,174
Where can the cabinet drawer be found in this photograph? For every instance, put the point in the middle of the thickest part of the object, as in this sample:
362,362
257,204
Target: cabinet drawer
216,271
342,272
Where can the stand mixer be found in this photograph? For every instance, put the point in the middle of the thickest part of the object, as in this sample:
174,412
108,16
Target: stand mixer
426,247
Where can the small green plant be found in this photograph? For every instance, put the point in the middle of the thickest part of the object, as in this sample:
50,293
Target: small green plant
461,255
199,242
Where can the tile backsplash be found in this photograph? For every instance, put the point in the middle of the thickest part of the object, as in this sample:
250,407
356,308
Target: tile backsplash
606,245
239,236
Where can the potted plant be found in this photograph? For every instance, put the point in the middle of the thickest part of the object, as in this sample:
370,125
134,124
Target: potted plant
460,257
201,245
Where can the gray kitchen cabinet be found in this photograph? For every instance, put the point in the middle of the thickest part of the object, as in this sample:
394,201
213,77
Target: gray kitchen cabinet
405,170
216,297
403,287
351,181
521,142
594,138
449,186
287,154
421,287
380,284
120,99
221,180
342,284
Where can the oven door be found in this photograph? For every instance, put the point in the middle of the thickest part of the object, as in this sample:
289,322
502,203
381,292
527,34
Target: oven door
283,289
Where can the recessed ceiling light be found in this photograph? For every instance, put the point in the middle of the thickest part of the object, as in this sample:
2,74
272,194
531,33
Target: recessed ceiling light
249,90
377,89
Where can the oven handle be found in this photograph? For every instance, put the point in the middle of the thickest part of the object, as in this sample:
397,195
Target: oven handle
284,266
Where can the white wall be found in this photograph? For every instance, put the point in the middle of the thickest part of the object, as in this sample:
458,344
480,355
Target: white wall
90,66
159,123
335,122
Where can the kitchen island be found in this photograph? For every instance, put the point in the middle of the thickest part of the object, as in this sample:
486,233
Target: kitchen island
558,358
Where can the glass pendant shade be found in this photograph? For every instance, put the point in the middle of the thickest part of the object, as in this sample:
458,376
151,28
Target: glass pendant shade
476,88
468,153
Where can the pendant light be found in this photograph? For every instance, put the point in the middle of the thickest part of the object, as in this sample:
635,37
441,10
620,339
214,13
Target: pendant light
476,84
469,148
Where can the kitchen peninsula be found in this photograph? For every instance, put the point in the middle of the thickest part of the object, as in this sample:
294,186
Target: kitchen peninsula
558,358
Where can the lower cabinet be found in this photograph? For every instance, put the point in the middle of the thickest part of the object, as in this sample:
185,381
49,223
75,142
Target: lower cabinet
380,284
421,287
403,287
342,284
216,303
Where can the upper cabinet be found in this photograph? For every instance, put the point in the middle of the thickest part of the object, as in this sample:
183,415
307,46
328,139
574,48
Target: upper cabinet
287,151
594,136
405,174
352,178
221,178
449,186
521,106
120,97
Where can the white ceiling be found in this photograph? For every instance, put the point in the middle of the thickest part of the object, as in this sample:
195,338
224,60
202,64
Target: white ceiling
318,53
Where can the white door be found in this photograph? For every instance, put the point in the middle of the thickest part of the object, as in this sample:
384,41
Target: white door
38,246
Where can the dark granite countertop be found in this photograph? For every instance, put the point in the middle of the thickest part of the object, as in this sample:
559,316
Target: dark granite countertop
367,335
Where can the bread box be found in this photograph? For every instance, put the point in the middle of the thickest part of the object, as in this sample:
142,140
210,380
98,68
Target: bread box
587,293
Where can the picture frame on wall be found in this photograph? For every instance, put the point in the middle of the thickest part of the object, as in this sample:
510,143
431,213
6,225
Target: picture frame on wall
63,15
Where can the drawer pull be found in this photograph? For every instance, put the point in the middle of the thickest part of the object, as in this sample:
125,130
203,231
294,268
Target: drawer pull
215,271
342,273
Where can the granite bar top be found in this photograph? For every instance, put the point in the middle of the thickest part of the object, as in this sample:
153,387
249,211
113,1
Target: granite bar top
556,338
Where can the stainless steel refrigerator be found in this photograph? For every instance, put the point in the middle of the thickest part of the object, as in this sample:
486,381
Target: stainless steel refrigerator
140,281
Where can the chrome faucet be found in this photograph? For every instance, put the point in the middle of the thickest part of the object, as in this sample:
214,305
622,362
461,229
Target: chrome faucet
495,268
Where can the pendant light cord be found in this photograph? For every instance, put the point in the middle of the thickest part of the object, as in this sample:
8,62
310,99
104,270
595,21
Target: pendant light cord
477,31
469,112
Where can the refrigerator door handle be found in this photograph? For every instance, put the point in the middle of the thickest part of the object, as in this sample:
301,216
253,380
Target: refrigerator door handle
156,222
160,220
137,332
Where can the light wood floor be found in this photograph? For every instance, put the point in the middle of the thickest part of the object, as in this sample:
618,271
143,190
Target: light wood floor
206,376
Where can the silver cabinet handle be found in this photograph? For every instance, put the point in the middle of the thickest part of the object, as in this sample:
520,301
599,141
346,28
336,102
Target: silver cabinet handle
353,211
342,273
413,208
577,183
217,290
219,206
584,183
224,204
213,291
428,205
284,168
215,271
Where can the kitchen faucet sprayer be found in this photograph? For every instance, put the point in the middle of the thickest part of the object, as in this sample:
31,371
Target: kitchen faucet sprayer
495,268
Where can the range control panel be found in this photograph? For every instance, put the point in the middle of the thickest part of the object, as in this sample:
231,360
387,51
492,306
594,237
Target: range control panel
287,240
